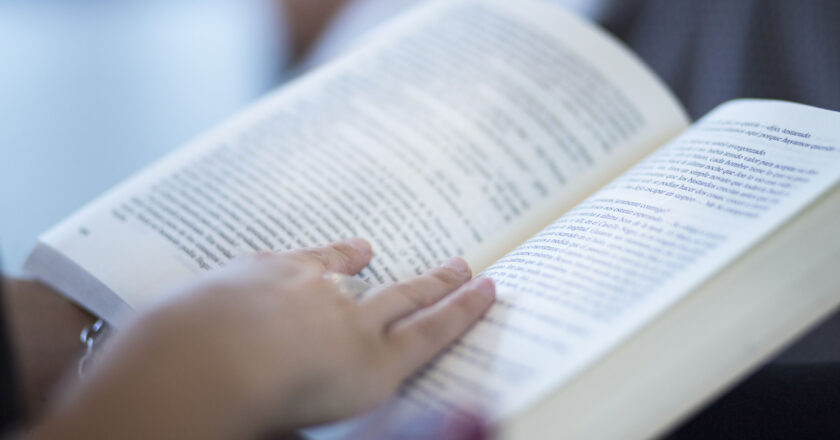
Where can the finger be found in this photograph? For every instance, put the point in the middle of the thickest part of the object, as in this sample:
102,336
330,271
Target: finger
401,299
417,339
348,256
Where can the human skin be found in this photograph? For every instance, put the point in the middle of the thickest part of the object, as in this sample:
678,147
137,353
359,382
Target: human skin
44,330
266,345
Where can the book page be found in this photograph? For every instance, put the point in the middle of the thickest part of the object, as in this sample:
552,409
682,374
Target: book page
590,279
460,129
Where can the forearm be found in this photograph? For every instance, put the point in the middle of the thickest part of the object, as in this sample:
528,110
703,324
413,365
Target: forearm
44,328
154,380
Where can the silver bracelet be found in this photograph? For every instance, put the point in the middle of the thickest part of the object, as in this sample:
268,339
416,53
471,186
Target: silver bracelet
91,336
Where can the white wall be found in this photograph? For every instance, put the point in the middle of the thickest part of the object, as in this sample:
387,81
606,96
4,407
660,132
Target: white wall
92,90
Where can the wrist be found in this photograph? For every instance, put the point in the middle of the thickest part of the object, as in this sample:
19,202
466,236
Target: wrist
149,382
44,330
224,370
195,377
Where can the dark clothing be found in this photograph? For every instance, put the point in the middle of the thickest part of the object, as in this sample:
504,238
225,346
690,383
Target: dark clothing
712,51
9,404
778,402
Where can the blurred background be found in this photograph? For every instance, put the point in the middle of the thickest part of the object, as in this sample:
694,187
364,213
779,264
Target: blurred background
93,90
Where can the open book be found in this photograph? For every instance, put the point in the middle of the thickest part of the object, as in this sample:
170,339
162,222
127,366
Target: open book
642,263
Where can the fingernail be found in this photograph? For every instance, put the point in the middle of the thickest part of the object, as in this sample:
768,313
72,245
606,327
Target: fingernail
359,244
456,264
485,287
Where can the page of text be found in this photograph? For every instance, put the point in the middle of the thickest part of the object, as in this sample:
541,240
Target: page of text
458,123
585,282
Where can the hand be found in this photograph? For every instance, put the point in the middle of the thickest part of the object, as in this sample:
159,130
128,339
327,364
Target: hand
299,345
268,344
